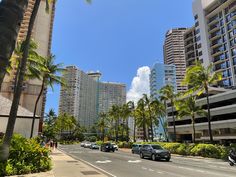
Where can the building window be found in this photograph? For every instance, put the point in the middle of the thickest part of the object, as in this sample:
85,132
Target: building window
196,17
198,38
199,46
200,53
233,52
197,24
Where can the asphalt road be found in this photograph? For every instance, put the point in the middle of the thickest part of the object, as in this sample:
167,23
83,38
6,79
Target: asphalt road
124,164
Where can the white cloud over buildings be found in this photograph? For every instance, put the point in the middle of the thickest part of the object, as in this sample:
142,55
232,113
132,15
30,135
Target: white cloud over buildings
139,85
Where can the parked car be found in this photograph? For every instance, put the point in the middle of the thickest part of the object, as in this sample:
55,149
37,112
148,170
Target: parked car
154,152
87,145
115,146
94,146
107,147
136,148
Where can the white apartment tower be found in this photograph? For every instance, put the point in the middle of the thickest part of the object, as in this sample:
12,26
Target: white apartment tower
174,53
215,25
85,96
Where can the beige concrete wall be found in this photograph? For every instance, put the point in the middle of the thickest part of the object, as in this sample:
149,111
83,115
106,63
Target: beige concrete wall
22,126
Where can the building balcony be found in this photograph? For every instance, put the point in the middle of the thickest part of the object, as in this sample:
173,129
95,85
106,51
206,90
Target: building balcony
218,52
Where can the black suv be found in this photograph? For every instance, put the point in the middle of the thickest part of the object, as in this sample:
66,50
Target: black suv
107,147
154,152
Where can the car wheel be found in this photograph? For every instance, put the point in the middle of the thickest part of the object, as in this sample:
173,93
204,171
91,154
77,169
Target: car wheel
132,152
141,155
168,159
153,157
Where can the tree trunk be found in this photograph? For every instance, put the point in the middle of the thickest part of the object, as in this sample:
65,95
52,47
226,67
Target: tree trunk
117,126
16,98
209,115
11,16
144,129
151,131
127,130
173,117
35,108
134,130
193,124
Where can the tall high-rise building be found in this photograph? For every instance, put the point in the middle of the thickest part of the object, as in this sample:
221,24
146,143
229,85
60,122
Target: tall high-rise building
160,76
174,53
79,97
42,35
191,46
85,96
111,94
215,24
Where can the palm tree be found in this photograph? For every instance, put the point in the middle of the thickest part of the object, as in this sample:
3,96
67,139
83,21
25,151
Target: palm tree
149,112
115,114
140,112
102,124
132,108
159,111
17,94
49,125
188,107
199,78
49,74
12,13
33,62
167,94
125,113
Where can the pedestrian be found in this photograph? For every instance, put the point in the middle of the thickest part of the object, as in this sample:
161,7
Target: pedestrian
56,144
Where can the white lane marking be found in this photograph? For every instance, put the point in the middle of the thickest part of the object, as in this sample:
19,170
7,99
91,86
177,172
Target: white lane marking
75,152
105,161
144,168
134,161
150,169
160,172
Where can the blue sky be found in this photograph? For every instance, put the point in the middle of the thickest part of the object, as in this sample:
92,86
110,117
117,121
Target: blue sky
116,37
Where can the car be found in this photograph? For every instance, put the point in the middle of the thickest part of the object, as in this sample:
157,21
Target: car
107,147
136,148
82,144
94,146
115,146
87,145
154,151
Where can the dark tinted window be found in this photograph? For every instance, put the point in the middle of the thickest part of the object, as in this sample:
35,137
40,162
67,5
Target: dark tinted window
156,147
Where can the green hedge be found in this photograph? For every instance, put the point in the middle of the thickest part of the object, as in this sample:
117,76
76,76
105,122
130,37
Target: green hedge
26,156
203,150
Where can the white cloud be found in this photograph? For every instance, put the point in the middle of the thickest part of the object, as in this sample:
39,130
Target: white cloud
140,84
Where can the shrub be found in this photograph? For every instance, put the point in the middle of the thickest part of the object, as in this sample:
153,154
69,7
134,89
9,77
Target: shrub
206,150
27,156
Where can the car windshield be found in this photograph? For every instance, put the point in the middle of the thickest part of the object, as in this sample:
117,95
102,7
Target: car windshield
156,147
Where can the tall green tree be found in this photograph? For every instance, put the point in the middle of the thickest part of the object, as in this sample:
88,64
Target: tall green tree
159,111
167,94
115,115
49,125
125,113
132,114
102,124
188,107
198,78
49,74
4,149
140,112
147,103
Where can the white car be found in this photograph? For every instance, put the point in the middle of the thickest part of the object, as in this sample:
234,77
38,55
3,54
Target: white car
115,146
87,145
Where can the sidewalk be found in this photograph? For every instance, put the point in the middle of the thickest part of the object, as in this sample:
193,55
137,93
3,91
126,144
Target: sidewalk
66,166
